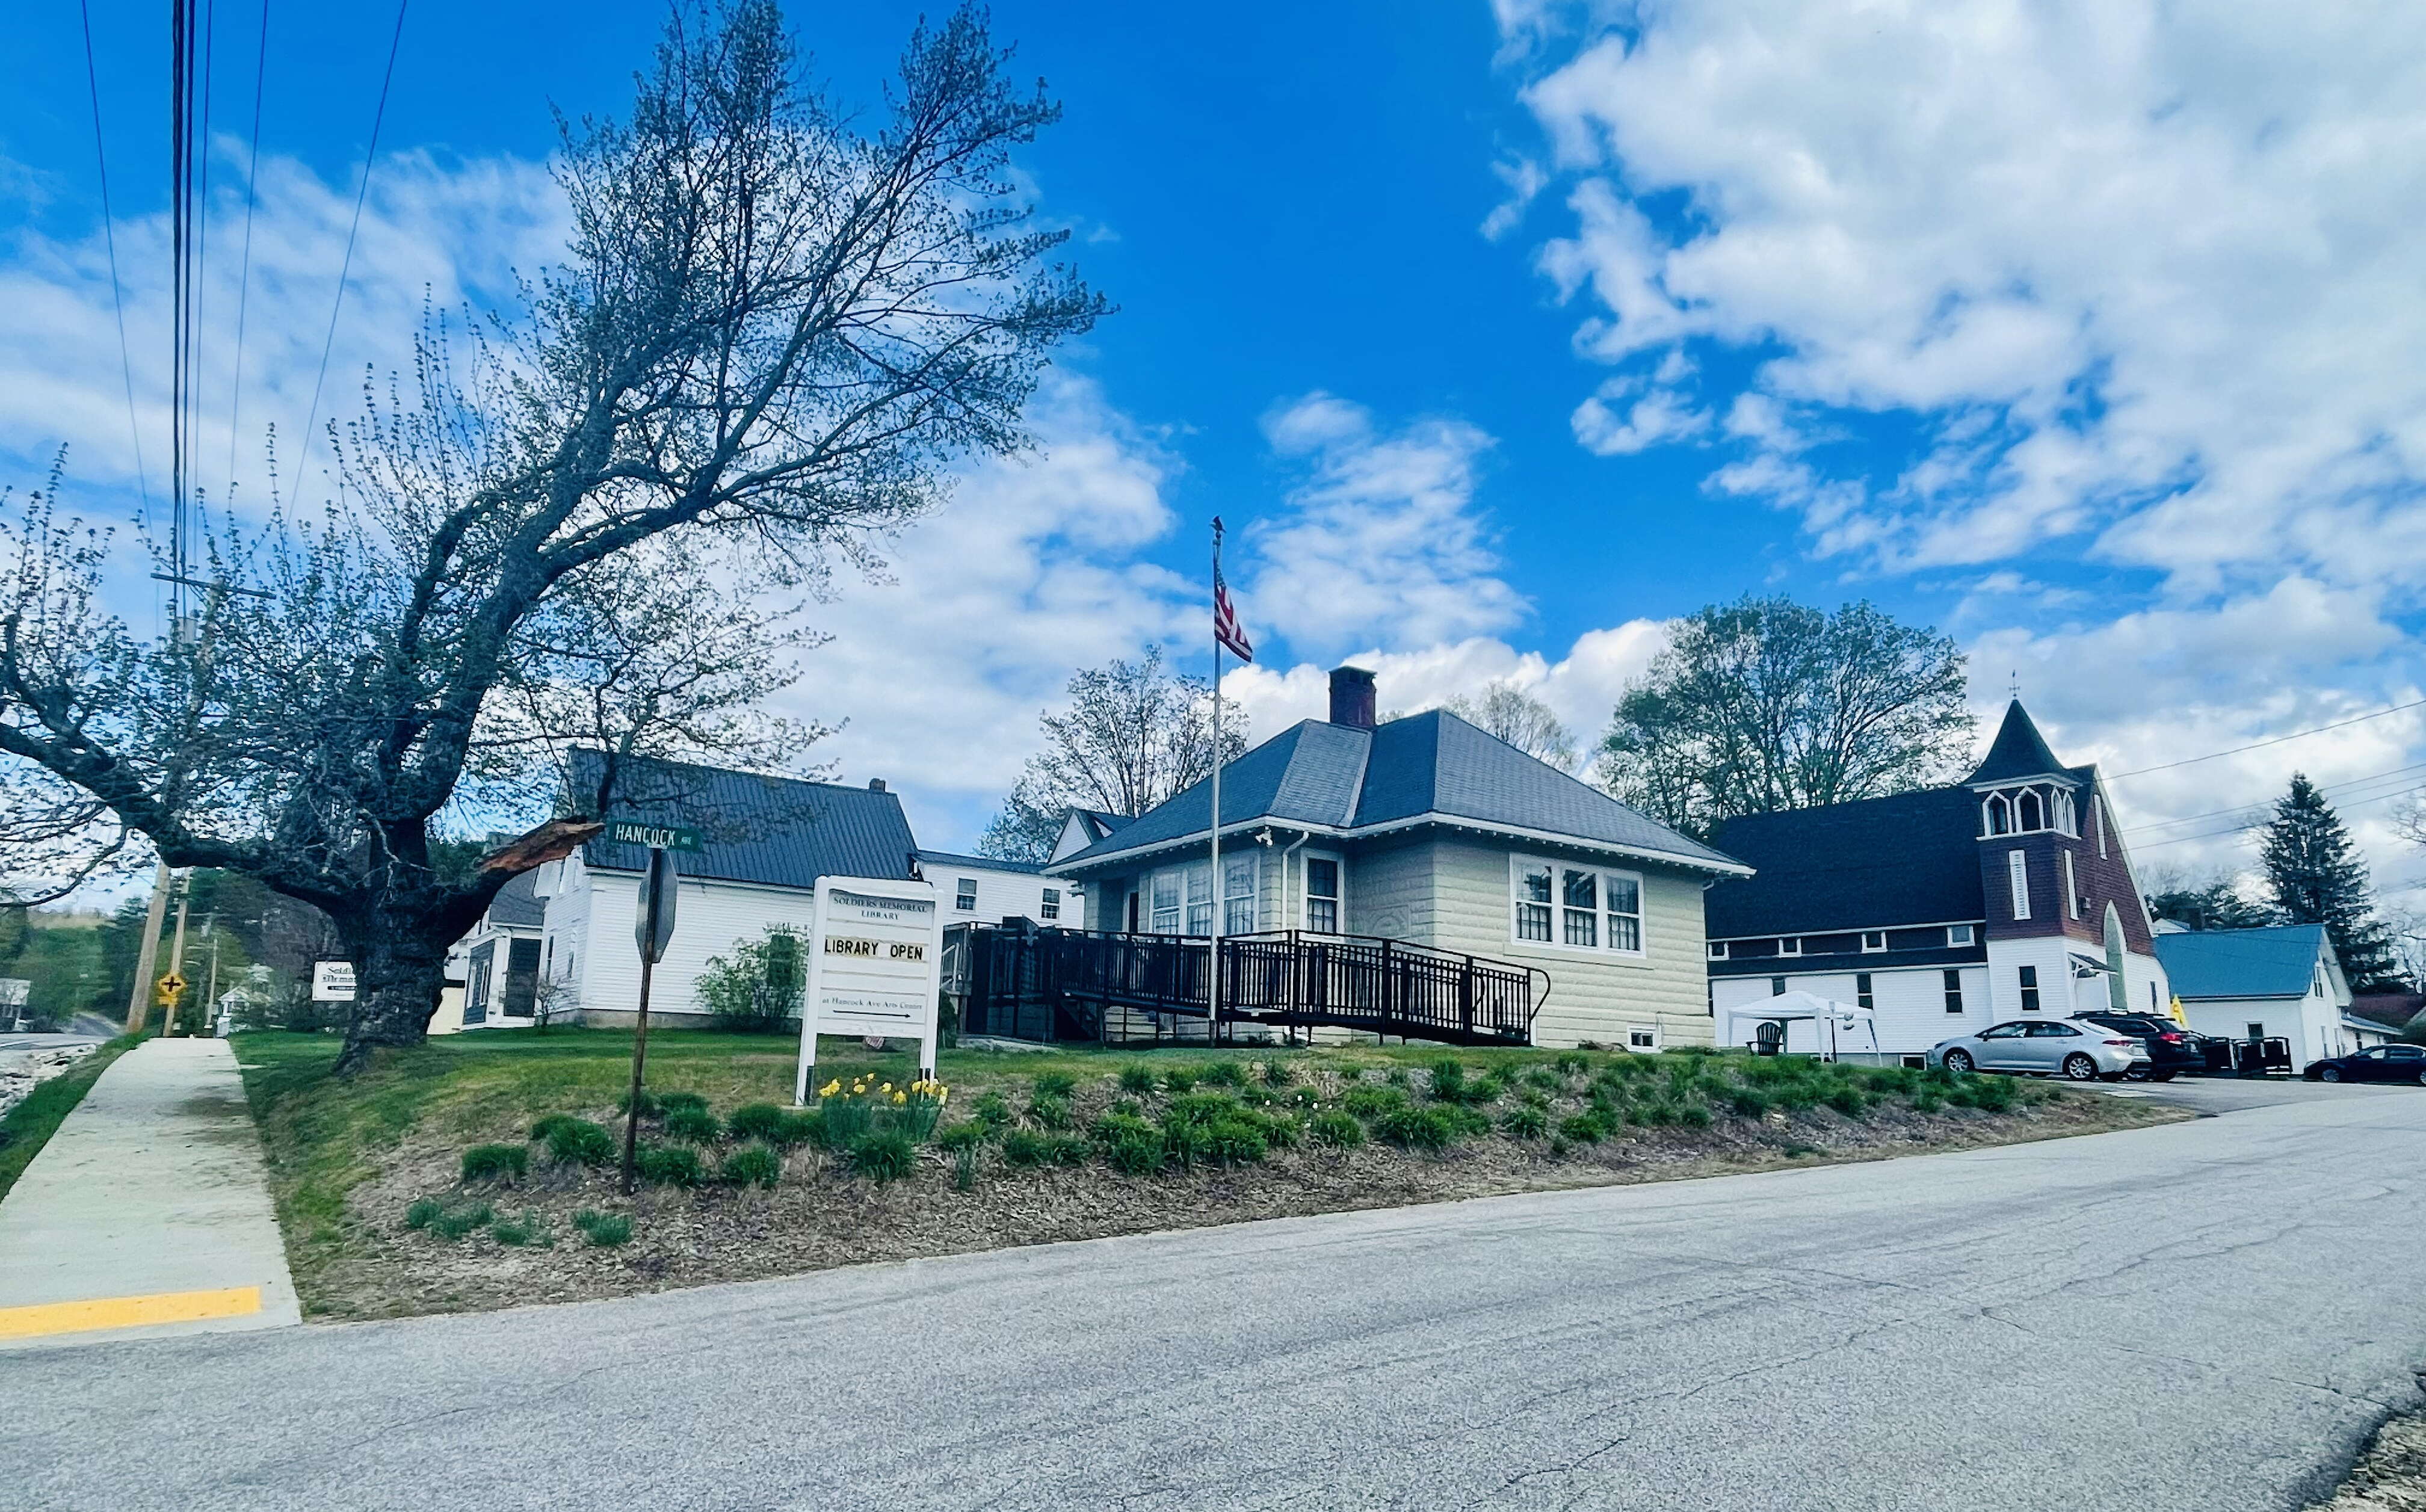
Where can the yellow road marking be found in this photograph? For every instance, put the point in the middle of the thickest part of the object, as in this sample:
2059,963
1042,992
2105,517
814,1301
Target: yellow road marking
127,1311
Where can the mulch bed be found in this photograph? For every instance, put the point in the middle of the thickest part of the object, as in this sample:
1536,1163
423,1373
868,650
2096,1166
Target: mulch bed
821,1216
2391,1475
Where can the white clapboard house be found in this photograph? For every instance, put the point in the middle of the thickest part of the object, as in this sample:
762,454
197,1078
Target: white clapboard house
766,842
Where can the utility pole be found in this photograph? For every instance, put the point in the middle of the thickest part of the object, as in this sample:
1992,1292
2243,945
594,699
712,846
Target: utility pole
176,966
139,1005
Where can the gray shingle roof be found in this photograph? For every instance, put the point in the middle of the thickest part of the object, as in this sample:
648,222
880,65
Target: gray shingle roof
981,864
1432,765
518,903
777,832
1876,864
2019,751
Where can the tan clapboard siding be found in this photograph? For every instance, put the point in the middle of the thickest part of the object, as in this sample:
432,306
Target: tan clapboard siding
1453,895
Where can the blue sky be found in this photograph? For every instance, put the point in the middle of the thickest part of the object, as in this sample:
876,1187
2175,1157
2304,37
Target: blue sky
1499,334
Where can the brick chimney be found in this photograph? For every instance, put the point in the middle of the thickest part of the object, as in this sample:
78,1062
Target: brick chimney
1352,697
876,784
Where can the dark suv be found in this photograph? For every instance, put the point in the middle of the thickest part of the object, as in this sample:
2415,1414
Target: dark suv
2171,1049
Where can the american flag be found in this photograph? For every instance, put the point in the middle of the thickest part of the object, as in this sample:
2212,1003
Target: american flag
1226,620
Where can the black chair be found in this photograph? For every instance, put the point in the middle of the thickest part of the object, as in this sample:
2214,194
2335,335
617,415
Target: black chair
1769,1037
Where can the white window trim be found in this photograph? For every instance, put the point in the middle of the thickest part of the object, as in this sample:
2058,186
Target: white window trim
1790,944
1717,950
1305,897
2071,887
1970,935
965,887
2098,821
1518,861
1048,903
1868,935
1252,865
2017,877
1649,1033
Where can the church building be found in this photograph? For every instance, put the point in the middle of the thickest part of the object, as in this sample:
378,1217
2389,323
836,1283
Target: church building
1945,910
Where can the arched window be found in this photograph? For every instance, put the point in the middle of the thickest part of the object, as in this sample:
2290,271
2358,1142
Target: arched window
2001,815
2063,819
2031,813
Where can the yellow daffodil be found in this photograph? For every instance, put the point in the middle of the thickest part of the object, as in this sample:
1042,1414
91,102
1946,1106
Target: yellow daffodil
831,1087
887,1088
899,1098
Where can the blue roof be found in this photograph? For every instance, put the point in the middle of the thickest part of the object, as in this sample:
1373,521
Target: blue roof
777,832
2278,961
1430,765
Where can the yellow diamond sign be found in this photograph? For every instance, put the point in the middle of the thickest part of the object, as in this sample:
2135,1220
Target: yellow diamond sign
171,986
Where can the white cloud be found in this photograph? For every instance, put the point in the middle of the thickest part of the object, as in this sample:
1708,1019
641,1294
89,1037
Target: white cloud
1381,544
1654,418
2165,252
1524,179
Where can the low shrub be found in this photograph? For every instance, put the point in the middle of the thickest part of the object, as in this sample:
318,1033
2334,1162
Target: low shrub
544,1129
1225,1074
1282,1130
1187,1145
751,1166
992,1108
1025,1147
1396,1076
1130,1145
804,1127
605,1230
883,1155
1560,1146
1370,1102
1572,1064
530,1230
1747,1102
751,1121
423,1211
966,1134
650,1103
1584,1127
694,1126
1236,1142
1136,1079
1339,1130
1797,1096
1055,1083
1049,1112
493,1163
1848,1100
579,1142
1261,1097
1694,1114
676,1102
1447,1082
1179,1080
456,1222
1202,1107
1543,1079
1927,1100
1279,1073
1414,1128
1525,1122
671,1165
1307,1098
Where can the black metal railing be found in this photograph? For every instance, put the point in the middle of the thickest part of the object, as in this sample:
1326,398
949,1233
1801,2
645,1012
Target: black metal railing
1060,983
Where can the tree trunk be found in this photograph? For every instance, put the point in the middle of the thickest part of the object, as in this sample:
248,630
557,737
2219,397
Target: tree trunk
400,971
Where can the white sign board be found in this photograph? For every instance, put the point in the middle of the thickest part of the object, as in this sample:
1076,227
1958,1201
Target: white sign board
876,957
332,981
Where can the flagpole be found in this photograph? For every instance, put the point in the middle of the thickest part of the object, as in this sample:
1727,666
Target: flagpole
1213,953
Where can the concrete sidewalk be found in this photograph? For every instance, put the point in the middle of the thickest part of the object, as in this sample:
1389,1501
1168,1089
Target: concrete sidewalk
148,1213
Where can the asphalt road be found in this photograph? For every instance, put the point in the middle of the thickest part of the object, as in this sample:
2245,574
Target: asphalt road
2208,1316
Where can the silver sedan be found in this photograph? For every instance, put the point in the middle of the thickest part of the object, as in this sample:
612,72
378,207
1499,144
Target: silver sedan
2074,1049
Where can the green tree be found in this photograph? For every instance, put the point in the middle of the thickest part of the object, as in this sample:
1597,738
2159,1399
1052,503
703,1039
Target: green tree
2315,876
1765,704
2216,904
760,986
1518,718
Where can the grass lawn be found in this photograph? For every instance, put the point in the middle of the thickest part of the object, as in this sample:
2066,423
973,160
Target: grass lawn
379,1218
29,1125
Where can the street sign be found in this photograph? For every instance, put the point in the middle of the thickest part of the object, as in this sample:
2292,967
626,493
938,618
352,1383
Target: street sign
171,986
332,981
876,956
654,836
652,923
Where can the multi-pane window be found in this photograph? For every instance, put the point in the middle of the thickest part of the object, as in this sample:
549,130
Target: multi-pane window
2029,990
1237,894
964,895
1581,907
2017,872
1323,895
1050,907
1166,903
1954,991
1533,901
1642,1039
1200,899
1861,990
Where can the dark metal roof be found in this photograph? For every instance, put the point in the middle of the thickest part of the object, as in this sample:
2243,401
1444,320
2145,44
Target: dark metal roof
2019,751
1430,765
983,863
1909,859
2393,1010
777,832
2277,961
518,903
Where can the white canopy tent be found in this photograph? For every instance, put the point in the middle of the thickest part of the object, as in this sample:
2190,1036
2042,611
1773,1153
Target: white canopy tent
1835,1025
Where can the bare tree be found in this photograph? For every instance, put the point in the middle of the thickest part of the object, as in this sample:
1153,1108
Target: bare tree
1765,704
771,334
1133,735
1518,718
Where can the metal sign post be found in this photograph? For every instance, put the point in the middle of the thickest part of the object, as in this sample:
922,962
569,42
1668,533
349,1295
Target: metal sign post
876,956
652,926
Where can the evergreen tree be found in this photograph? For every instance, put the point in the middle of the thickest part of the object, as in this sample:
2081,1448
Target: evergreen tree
2316,876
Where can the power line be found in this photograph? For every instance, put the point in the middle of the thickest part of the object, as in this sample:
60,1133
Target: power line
345,266
2256,744
2347,786
109,239
2234,830
181,166
244,278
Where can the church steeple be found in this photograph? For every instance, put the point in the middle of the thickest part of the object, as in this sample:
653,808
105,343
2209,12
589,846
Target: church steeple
2019,751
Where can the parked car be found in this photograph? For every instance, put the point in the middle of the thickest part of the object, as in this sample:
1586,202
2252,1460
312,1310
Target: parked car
2171,1049
2076,1051
2376,1063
